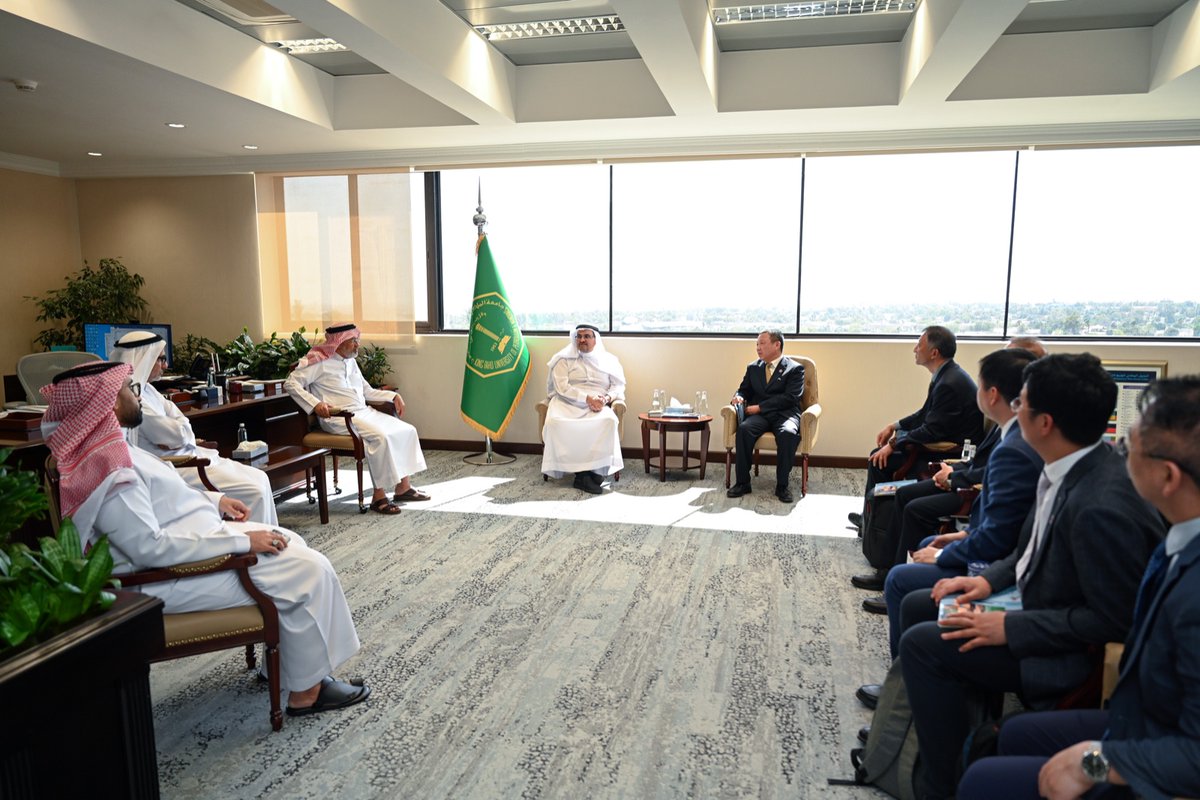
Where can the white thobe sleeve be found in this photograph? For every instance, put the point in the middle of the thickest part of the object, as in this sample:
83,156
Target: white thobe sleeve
128,519
297,386
562,385
616,388
164,424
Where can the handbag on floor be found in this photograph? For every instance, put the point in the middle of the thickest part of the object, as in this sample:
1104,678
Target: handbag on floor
878,543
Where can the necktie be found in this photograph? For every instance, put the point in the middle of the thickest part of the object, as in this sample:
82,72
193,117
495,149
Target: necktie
1156,570
1039,528
770,371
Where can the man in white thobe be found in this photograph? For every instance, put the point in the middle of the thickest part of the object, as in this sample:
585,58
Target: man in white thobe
165,431
581,433
327,380
153,519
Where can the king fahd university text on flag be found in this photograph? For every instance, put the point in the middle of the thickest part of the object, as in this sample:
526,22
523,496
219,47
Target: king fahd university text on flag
497,355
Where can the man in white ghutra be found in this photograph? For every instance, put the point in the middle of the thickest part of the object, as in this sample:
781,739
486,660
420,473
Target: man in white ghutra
581,432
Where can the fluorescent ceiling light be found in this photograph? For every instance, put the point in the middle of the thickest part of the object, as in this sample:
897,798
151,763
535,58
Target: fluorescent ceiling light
175,125
764,12
551,27
300,47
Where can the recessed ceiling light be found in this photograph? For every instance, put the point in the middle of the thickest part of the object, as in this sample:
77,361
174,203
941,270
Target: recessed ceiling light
94,153
551,27
300,47
776,12
249,147
176,125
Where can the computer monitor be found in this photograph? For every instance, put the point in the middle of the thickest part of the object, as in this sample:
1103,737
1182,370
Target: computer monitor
99,337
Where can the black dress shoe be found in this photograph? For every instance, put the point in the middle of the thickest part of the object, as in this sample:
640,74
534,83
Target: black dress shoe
586,481
871,581
864,733
784,494
855,519
876,605
738,489
868,695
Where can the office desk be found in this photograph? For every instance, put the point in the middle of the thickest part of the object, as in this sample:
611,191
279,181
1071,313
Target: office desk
275,419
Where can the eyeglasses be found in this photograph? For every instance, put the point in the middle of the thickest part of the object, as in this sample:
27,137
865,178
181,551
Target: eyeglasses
1122,448
585,336
162,358
1015,404
136,388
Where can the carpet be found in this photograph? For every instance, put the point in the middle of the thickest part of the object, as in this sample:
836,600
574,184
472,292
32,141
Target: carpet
525,640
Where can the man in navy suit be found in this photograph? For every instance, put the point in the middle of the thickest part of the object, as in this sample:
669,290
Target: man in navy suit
1009,484
770,398
1078,564
1148,741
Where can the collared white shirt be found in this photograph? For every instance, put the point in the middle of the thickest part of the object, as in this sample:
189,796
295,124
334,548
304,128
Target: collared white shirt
1054,472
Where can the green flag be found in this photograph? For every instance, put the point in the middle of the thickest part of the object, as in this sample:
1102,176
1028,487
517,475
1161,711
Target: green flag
497,355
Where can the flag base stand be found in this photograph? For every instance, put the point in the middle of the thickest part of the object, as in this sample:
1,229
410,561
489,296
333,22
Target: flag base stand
488,458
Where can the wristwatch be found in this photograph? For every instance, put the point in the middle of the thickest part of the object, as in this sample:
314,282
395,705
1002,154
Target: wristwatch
1095,765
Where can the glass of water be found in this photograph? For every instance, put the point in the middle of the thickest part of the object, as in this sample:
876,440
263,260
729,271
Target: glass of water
656,401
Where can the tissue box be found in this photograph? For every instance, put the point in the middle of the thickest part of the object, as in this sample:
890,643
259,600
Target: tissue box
242,453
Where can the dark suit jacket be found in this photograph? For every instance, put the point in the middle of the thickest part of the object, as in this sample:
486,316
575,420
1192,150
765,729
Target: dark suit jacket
779,401
1084,577
950,413
1154,714
1009,486
968,473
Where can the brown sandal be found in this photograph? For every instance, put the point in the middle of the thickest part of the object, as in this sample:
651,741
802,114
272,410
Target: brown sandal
411,495
383,506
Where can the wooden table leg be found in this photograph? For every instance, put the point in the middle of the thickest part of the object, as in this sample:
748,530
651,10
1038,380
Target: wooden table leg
662,453
704,432
646,445
686,433
322,494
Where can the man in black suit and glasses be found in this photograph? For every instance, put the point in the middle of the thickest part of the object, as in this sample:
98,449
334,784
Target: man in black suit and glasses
769,401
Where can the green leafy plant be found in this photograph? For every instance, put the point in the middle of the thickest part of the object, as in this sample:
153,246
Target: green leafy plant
273,358
373,363
43,592
183,353
107,293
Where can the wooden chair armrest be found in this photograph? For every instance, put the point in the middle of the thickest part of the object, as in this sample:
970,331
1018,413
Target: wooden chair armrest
222,563
183,462
384,406
208,444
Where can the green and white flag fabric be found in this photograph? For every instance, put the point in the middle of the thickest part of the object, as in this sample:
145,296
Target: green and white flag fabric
497,355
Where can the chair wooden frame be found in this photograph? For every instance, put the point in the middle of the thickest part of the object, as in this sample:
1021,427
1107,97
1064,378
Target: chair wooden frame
618,407
346,444
196,632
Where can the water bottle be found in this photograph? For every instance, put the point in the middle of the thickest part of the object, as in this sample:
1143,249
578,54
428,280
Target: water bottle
212,377
242,435
968,451
703,409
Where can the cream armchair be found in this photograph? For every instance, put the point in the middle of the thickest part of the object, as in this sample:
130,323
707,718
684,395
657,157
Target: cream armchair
810,416
618,407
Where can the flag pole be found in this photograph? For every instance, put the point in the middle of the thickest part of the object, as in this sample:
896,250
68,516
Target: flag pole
488,458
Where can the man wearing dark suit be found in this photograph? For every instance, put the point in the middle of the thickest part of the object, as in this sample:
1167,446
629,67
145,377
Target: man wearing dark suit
1147,743
949,415
770,397
1080,558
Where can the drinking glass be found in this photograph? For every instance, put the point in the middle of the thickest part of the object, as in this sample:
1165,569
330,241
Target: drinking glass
703,407
656,400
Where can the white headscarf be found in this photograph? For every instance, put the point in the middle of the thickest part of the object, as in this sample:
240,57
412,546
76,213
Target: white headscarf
138,349
599,358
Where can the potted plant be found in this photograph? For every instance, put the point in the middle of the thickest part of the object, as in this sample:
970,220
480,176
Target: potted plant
107,293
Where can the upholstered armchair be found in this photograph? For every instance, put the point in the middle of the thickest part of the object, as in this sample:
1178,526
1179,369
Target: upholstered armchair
344,444
810,417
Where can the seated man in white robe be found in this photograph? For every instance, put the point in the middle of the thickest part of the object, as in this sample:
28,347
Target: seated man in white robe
327,380
165,431
153,519
581,434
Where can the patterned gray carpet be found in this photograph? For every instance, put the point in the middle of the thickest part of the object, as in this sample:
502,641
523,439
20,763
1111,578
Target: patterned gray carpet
526,640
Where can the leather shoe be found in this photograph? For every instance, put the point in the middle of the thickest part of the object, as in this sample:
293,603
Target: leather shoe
868,695
784,494
856,519
586,481
738,489
864,733
871,581
876,605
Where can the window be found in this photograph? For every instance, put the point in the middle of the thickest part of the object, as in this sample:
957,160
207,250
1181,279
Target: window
893,243
348,246
711,246
1104,243
548,232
